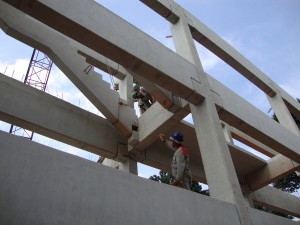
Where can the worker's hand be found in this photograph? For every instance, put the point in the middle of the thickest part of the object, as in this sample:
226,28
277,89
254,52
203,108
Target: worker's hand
162,137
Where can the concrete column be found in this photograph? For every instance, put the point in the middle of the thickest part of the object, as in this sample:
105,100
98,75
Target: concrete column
220,173
125,89
129,165
227,134
283,114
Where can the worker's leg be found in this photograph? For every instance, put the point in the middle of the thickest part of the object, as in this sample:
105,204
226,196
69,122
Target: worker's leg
186,182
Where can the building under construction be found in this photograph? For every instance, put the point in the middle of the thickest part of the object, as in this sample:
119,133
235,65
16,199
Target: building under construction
42,186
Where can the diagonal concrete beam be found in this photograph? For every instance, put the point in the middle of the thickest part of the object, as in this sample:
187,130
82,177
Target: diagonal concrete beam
154,121
118,43
164,97
251,142
277,200
42,113
279,166
238,113
63,51
209,39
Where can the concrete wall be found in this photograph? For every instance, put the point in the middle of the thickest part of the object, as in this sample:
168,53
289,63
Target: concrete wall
40,185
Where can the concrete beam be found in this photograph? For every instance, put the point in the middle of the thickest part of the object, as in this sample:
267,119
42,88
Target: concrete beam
167,9
209,39
63,51
251,142
117,43
154,121
279,166
42,113
283,114
277,200
103,63
164,97
237,112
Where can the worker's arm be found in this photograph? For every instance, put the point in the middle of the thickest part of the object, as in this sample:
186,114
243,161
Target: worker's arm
168,143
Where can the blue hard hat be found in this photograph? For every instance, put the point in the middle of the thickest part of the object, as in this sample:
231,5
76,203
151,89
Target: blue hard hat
177,137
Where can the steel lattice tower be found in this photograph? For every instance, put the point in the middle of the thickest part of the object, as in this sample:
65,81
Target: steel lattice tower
36,76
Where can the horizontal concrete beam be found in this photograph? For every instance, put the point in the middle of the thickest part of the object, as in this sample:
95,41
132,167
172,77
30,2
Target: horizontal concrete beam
277,200
119,43
279,166
42,113
63,51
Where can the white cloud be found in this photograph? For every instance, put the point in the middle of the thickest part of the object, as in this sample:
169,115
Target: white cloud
292,87
17,69
208,59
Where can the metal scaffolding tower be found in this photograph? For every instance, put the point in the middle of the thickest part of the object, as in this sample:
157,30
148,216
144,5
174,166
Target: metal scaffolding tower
36,76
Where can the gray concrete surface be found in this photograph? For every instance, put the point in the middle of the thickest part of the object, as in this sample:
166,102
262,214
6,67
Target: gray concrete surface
40,185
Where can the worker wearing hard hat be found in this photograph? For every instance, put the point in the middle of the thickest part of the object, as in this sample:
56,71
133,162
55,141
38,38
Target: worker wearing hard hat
144,99
181,160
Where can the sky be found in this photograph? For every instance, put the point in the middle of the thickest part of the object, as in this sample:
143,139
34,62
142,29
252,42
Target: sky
266,32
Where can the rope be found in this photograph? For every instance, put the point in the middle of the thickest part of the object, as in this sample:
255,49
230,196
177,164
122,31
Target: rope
110,73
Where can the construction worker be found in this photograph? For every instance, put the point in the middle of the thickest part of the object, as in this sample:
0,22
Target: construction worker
144,99
180,162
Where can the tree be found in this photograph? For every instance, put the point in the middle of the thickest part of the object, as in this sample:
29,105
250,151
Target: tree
167,178
290,183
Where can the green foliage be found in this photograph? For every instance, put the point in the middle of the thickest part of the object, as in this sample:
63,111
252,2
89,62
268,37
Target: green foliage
290,183
164,177
167,178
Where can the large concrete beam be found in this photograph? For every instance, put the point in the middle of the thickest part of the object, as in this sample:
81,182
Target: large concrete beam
279,166
63,51
251,142
39,187
277,200
42,113
237,112
209,39
162,96
157,120
118,42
